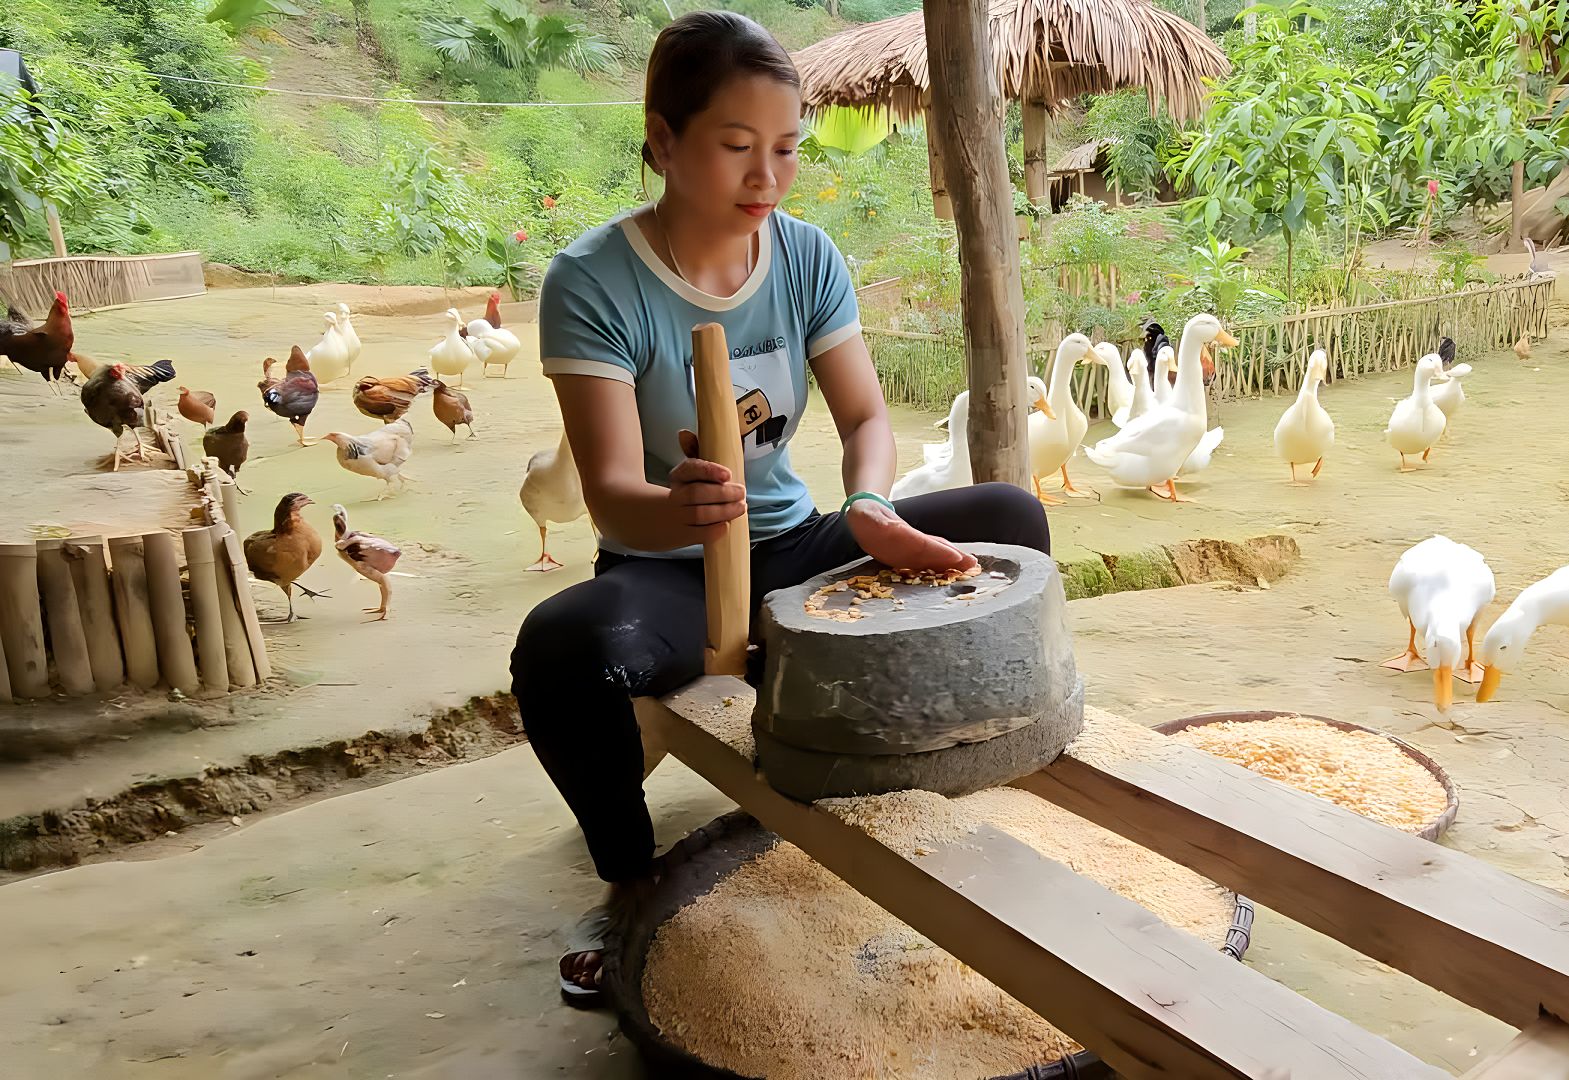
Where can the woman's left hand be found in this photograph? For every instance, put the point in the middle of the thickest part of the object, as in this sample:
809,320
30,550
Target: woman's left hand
894,542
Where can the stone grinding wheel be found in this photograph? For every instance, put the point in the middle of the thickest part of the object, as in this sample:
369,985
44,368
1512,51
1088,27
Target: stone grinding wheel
951,689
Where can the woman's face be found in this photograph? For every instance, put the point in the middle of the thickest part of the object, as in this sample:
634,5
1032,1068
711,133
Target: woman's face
736,159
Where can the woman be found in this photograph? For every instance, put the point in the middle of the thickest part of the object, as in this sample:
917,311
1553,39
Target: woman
617,307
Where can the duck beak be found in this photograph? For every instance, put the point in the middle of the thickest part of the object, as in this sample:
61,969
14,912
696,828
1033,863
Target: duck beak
1045,407
1443,688
1491,677
1225,340
941,423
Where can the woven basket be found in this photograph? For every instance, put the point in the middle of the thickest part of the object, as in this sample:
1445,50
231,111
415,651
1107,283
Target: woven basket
1431,831
693,867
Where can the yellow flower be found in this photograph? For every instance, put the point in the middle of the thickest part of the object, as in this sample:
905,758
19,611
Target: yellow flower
845,233
856,195
871,213
828,194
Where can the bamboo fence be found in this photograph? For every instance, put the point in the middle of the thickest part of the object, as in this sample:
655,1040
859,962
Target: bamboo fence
86,614
927,370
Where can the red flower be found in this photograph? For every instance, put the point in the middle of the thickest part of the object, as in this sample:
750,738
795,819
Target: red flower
550,203
520,236
1432,187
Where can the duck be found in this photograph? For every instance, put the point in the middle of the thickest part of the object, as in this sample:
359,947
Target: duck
552,491
1119,387
1450,395
1441,587
1151,450
1139,379
451,355
329,357
492,345
1306,432
1539,604
1199,460
1161,375
351,337
1417,423
1063,424
945,465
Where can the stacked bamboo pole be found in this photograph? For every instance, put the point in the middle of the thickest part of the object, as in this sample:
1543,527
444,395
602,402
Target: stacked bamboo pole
90,575
22,621
133,612
67,639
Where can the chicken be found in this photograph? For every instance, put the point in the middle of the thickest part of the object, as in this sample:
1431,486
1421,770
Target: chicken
112,401
283,553
43,349
351,337
371,557
492,314
197,406
452,408
492,345
379,454
293,396
230,446
388,399
552,491
15,324
142,376
1523,347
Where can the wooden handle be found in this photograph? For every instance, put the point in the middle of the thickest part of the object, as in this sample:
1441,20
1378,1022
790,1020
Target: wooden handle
727,562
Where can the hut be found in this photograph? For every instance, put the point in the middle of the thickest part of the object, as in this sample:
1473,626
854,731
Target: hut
1083,170
1043,52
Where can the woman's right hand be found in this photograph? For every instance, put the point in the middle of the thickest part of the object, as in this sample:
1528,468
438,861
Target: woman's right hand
703,494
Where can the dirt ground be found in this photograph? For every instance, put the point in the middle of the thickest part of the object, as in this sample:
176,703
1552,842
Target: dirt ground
412,929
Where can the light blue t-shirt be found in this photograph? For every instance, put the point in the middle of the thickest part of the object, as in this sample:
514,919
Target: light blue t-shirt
609,307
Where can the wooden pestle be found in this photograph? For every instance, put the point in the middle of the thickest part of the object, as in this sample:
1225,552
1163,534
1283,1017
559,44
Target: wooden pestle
727,561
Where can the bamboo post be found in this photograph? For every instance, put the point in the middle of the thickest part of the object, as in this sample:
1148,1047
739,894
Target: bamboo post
67,639
211,654
132,613
247,604
968,113
22,621
727,562
229,497
5,675
168,610
90,575
1035,175
236,648
942,205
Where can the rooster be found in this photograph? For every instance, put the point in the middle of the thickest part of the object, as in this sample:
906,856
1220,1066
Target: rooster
112,401
380,454
44,349
388,399
293,396
283,553
230,446
371,557
142,376
492,314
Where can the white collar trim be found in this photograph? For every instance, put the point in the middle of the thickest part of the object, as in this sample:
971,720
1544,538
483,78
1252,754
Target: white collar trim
685,289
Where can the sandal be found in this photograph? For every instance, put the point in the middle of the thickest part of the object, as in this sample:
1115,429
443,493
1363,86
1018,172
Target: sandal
588,936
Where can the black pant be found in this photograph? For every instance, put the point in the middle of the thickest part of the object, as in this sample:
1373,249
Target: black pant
638,629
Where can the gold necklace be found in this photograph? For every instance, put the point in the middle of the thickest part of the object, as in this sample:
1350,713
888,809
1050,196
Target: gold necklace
676,263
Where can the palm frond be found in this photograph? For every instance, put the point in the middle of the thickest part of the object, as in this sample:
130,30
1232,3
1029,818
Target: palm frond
454,37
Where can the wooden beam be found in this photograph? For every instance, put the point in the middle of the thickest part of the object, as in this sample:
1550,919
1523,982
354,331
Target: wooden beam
1035,173
1491,940
967,111
942,205
1153,1001
1539,1052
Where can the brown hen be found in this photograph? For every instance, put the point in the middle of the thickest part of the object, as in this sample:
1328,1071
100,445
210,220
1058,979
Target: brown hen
388,399
283,553
452,408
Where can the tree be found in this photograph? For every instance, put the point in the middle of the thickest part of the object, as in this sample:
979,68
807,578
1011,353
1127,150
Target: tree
512,36
1287,141
42,165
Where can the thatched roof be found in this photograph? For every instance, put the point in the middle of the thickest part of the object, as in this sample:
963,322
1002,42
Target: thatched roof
1049,50
1081,158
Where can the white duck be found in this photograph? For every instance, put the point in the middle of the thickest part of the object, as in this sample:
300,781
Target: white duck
1139,379
1151,450
1441,587
1199,460
329,357
492,345
1547,601
1063,424
1450,394
1119,387
451,355
946,465
1305,432
552,491
1165,364
1417,422
351,337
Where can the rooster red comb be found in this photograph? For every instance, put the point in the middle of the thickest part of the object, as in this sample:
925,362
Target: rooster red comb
60,299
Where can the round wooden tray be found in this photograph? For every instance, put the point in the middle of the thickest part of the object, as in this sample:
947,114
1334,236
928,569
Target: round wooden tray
694,866
1431,831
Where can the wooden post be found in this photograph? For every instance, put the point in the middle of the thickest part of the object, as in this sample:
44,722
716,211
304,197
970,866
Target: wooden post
67,639
168,611
236,646
247,604
1035,175
90,575
727,562
133,614
56,237
22,621
967,110
5,675
942,205
211,654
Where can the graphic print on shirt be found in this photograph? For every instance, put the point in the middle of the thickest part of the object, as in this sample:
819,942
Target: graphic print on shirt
765,396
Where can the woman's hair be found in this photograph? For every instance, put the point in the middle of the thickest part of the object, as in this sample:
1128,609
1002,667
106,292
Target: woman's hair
697,54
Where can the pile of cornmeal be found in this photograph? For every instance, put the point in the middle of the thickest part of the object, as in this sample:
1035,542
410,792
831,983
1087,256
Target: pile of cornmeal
784,971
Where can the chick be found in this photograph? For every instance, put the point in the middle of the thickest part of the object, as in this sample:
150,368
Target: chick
452,408
230,446
379,454
371,557
283,553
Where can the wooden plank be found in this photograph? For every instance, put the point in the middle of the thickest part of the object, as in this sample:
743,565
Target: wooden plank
1539,1052
1154,1002
1478,934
